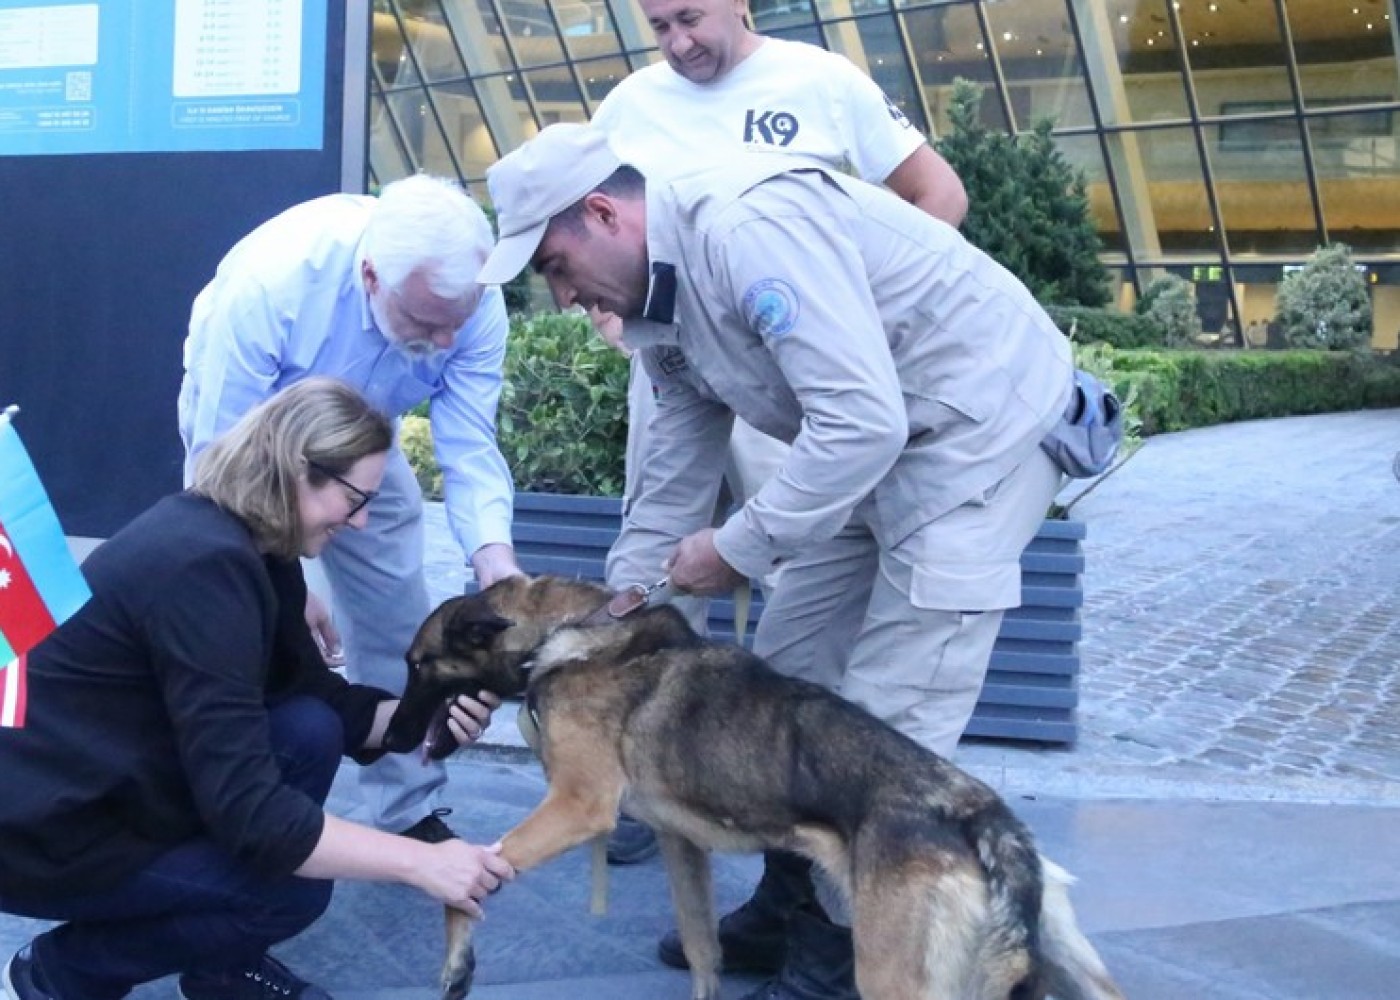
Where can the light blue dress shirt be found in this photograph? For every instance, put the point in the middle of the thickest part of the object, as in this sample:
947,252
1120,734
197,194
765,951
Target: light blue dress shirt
288,302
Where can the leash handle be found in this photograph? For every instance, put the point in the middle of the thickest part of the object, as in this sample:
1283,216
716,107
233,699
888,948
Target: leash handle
743,597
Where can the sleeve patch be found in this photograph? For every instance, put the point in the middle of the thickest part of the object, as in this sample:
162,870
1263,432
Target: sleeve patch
771,307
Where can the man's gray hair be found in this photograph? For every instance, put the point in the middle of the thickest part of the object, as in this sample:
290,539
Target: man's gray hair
429,223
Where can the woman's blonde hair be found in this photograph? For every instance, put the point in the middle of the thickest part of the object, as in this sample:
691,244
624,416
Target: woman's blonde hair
251,470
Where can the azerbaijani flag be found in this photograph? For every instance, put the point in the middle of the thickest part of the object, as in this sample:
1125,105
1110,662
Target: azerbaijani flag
40,584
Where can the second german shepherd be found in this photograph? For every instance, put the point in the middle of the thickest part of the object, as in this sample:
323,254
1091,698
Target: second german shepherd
949,897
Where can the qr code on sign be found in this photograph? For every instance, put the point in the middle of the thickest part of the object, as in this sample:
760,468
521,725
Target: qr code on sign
78,86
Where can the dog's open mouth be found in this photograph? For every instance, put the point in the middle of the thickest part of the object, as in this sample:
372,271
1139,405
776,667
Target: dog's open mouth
438,741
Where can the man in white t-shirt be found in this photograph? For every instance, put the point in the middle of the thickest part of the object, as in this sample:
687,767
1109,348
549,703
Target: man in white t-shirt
723,92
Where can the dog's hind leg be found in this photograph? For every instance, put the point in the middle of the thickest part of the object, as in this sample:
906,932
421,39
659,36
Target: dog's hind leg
688,871
917,934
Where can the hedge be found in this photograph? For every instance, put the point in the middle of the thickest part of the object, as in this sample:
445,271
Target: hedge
1178,390
563,416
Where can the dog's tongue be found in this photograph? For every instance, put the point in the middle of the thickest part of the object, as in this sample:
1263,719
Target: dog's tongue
438,738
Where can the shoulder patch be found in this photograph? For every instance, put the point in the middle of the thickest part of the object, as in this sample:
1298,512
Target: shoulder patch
771,307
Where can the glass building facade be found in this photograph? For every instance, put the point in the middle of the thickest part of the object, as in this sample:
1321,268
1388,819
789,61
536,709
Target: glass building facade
1223,140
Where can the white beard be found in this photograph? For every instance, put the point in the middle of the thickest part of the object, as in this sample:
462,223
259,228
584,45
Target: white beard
414,350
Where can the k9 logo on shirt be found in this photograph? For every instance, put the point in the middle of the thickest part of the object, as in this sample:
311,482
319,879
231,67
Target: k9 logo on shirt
776,128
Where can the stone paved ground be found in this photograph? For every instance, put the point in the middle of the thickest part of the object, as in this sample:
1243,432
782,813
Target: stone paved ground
1241,602
1240,644
1241,619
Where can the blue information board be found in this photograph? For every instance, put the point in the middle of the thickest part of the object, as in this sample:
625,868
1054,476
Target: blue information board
134,76
195,121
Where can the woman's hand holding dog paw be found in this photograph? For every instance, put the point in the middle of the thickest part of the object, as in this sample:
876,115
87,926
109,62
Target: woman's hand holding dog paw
462,875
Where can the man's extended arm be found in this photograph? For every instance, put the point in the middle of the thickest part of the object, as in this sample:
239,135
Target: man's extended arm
684,456
476,480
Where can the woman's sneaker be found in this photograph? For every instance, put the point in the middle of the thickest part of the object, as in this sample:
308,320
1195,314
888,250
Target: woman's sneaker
268,980
21,975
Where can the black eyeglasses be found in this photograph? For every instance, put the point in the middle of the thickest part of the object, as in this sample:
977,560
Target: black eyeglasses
358,498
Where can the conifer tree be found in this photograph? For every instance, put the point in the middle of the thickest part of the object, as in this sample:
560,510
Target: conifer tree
1027,205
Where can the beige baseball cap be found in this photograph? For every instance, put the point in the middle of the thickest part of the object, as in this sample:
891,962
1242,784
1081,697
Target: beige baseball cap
536,182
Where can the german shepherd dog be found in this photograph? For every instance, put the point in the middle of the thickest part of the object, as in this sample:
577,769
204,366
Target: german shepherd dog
950,899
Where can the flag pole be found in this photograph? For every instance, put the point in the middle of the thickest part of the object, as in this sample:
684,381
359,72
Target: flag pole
8,414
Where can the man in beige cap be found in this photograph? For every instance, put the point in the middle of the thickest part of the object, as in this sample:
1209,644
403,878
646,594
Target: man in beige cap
913,376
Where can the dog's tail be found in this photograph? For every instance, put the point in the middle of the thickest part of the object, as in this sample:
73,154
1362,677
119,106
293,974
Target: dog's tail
1070,967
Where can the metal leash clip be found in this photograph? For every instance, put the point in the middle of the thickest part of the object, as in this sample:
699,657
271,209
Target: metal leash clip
634,598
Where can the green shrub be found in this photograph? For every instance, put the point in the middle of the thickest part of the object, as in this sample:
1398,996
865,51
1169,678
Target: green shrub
563,413
1170,303
1325,306
562,420
1124,331
1381,382
416,440
1027,206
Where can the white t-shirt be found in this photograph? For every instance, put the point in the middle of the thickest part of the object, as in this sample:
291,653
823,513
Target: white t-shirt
787,97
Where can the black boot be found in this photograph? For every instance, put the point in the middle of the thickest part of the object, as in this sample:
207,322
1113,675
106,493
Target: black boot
821,961
754,937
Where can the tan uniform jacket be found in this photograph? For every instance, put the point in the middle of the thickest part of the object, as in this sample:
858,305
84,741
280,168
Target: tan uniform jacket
894,356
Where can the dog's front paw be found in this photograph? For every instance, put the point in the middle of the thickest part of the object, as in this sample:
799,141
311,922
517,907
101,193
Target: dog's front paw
457,976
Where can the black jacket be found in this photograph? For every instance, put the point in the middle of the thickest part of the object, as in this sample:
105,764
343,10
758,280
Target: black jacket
146,721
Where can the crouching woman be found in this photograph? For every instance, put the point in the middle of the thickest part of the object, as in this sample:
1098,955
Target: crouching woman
165,797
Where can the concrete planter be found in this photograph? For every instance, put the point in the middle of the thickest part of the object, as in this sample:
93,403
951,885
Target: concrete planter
1032,688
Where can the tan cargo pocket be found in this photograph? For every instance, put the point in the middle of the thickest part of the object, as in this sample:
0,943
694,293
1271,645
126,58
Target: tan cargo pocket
989,586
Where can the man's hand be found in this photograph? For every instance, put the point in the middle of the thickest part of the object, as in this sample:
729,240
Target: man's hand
493,562
697,568
323,630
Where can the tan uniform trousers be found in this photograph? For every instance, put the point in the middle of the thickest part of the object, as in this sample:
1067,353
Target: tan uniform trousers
907,632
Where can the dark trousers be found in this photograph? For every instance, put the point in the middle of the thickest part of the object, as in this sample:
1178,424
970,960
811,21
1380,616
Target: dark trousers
194,908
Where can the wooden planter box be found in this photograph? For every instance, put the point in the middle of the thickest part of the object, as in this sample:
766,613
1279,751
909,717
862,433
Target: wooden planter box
1031,690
